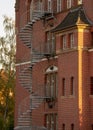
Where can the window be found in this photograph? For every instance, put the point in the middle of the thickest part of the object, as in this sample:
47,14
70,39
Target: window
40,5
68,4
50,5
64,42
72,85
91,85
63,87
50,47
59,5
51,82
53,48
31,11
63,127
72,126
51,121
72,44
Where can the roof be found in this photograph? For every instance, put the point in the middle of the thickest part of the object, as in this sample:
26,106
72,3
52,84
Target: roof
74,17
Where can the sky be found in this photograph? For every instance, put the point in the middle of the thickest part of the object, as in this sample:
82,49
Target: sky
6,8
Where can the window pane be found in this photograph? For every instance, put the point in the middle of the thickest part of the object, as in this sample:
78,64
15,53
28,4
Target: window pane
47,121
58,5
47,85
51,121
51,85
64,41
72,44
68,3
49,5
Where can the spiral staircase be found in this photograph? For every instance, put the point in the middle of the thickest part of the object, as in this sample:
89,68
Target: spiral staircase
35,99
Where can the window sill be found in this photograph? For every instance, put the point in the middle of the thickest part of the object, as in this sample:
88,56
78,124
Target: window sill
67,50
70,96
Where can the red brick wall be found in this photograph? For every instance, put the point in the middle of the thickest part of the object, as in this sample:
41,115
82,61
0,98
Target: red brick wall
67,63
22,54
20,94
68,67
85,91
88,5
91,96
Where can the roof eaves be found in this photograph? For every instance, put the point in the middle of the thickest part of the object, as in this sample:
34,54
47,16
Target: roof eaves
74,18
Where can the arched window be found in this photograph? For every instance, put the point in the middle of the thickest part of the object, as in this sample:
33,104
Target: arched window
51,82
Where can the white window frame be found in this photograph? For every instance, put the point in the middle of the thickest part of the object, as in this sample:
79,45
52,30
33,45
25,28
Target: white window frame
51,121
40,5
69,3
59,4
52,82
49,5
51,42
64,42
72,43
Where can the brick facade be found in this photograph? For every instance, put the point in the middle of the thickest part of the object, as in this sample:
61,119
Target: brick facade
40,55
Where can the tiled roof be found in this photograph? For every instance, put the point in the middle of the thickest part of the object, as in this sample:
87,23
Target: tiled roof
74,17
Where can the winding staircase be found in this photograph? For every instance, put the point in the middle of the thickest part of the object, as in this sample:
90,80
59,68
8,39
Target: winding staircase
34,99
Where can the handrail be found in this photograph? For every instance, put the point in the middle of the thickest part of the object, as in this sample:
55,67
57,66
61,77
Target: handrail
24,106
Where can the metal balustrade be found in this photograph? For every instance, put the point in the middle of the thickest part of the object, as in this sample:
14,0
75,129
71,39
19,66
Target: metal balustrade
45,50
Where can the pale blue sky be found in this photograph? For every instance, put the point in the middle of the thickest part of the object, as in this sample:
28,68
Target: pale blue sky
6,8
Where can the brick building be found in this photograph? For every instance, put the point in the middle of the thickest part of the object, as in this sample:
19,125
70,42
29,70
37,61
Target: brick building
54,65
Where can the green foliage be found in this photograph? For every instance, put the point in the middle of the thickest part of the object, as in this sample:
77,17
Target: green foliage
7,75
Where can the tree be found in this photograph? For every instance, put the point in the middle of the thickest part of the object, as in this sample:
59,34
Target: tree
7,74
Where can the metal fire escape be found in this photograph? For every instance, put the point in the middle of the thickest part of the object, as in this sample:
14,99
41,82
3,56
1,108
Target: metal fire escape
36,98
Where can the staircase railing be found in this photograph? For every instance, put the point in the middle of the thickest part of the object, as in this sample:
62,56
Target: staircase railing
24,106
45,49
